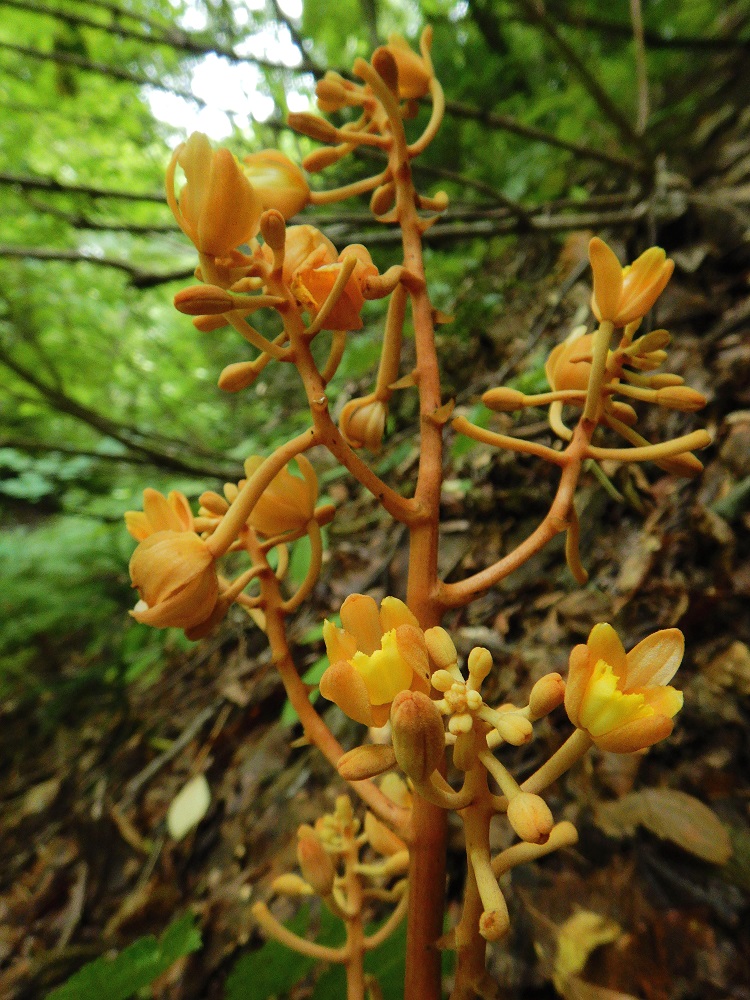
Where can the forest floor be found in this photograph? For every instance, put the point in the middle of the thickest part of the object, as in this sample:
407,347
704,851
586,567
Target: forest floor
86,865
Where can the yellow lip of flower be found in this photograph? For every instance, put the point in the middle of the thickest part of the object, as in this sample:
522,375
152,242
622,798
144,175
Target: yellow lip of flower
623,700
413,73
362,422
217,208
373,657
160,513
175,574
288,502
278,182
622,295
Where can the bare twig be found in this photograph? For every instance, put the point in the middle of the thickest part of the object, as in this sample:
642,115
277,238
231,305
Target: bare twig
137,276
29,183
641,69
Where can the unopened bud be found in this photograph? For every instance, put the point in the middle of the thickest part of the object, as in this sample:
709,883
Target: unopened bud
385,65
238,376
546,695
314,127
681,397
530,817
624,412
503,400
315,863
654,341
383,198
494,924
207,324
685,464
479,663
322,158
514,728
273,228
366,762
200,300
291,885
381,839
331,94
418,734
440,647
663,380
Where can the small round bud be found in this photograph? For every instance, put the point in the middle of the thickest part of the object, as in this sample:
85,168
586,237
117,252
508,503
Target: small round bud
530,817
418,734
479,663
314,127
440,647
514,728
383,198
494,924
546,695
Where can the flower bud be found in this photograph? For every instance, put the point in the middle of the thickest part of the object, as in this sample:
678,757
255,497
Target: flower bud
546,695
385,66
383,198
413,72
382,840
362,422
479,664
418,734
290,884
441,648
203,299
530,817
278,182
514,728
313,127
494,924
175,574
680,397
503,400
238,376
315,863
366,762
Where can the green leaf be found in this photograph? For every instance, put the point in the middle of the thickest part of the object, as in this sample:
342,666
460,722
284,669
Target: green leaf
135,967
272,970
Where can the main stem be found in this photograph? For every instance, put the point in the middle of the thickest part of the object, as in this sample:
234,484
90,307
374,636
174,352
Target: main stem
429,823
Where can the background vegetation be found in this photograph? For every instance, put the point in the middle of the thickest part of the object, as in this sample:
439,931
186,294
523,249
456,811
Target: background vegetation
561,121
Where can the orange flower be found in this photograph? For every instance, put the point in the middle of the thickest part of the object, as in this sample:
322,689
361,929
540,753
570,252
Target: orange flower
413,73
175,573
563,367
374,656
288,502
159,513
217,208
312,284
624,294
621,700
278,182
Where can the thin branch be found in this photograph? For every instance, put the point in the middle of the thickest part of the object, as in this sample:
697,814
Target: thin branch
508,124
174,38
537,15
103,69
641,69
77,220
29,183
137,277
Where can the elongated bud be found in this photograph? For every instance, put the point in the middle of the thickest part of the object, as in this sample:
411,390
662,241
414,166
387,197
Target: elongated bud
479,664
383,198
291,885
200,300
238,376
382,840
331,94
273,228
546,695
514,728
418,734
315,863
385,65
681,397
662,380
503,400
366,762
322,158
440,647
530,817
314,127
207,324
657,340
